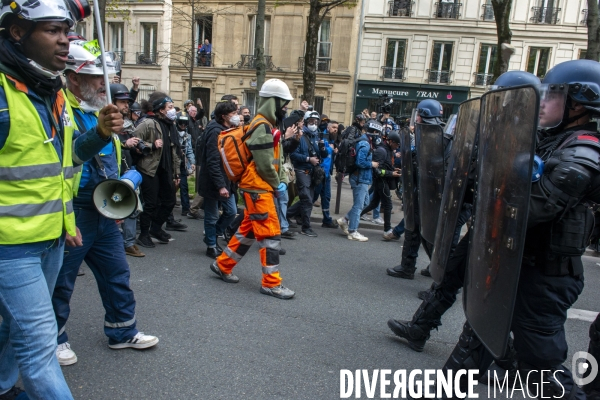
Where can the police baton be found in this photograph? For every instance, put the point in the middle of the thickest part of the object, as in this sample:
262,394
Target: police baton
102,52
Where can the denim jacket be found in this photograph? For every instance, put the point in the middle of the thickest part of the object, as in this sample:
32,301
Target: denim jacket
364,156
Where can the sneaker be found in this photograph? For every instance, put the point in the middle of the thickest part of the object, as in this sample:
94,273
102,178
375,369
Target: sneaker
365,218
308,232
343,223
139,341
317,204
214,252
133,251
282,252
176,226
289,235
425,271
281,292
221,236
198,215
65,355
292,224
333,224
160,235
357,236
144,240
389,235
15,393
229,278
378,221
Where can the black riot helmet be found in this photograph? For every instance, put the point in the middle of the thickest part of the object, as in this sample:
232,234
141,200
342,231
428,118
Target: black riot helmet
118,91
394,136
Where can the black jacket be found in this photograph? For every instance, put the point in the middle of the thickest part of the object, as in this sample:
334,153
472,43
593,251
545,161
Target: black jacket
212,175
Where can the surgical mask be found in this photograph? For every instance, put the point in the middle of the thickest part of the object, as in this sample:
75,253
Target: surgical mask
172,114
181,133
86,107
247,119
312,128
235,120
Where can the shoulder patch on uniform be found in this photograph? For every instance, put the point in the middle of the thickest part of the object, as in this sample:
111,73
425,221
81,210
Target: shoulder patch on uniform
588,137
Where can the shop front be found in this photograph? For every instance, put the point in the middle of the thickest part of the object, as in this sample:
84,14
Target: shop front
406,96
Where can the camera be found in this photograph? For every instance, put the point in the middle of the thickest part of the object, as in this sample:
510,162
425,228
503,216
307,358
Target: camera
310,108
79,9
145,150
384,105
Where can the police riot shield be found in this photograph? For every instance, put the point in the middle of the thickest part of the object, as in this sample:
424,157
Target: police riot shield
408,179
430,176
457,170
507,131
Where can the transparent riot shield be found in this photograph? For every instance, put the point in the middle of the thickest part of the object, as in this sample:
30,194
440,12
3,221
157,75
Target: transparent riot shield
408,180
457,170
430,176
507,130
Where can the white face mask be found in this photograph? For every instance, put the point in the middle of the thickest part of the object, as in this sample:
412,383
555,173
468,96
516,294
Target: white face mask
312,128
172,114
45,71
87,107
181,133
235,120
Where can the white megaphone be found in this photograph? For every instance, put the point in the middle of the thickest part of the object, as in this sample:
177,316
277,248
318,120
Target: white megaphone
118,198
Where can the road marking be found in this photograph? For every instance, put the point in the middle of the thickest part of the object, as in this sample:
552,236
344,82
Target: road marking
583,315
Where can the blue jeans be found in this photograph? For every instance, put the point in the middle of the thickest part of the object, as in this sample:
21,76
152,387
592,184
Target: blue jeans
128,226
281,203
103,252
399,229
324,190
360,193
26,285
215,224
375,210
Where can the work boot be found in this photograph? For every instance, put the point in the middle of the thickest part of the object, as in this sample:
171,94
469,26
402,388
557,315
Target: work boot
417,331
133,251
144,240
402,271
176,226
425,271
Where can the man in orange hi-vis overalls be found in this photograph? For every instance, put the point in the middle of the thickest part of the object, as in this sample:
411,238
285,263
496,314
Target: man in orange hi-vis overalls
261,181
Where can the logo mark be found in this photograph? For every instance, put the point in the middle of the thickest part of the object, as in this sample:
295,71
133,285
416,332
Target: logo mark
581,363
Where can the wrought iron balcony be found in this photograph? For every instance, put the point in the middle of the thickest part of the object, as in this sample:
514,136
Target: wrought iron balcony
545,15
488,12
145,58
248,61
204,60
483,79
323,64
439,76
584,15
400,8
447,10
121,55
392,73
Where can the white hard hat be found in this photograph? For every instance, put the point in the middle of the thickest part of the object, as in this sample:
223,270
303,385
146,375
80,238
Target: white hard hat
275,88
41,10
85,58
312,114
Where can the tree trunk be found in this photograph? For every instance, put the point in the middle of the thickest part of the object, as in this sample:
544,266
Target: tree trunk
193,48
102,7
593,46
502,16
309,76
259,44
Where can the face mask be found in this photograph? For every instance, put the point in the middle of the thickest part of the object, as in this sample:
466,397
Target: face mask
172,114
312,128
87,107
247,119
181,133
44,71
235,120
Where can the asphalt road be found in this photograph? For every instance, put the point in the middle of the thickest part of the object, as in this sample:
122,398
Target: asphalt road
228,341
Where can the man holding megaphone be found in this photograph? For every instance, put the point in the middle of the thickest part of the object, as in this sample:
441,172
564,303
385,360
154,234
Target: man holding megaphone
102,247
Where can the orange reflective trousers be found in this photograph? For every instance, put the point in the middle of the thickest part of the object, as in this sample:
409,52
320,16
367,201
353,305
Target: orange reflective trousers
260,224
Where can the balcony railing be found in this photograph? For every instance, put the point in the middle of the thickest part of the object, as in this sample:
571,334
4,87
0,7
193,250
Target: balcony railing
204,60
545,15
584,15
145,58
392,73
121,55
248,61
400,8
439,76
483,79
447,10
488,12
323,64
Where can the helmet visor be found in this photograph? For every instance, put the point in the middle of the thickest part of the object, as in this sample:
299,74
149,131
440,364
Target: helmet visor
450,125
553,99
413,118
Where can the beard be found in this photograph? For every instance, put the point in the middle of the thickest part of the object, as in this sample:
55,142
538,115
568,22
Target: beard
94,98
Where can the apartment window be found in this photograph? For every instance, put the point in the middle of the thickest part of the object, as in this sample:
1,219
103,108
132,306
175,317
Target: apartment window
145,92
80,29
324,47
488,11
546,13
116,37
441,61
149,43
485,66
318,104
203,29
400,8
582,54
394,59
538,60
250,101
252,36
448,9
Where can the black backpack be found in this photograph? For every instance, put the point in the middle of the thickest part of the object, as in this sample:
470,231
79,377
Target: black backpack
345,160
